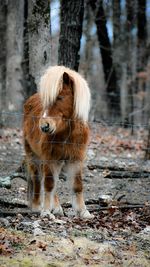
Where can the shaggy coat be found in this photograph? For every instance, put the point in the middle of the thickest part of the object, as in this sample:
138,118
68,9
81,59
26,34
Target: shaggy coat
56,135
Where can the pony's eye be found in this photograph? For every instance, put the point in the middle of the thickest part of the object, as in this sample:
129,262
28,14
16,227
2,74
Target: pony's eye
60,97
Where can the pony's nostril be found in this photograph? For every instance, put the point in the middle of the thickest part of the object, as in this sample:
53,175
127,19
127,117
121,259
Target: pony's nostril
45,128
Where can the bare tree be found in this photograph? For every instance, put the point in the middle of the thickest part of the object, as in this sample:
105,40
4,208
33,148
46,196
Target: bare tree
71,19
89,42
141,34
147,153
107,59
128,60
117,38
36,43
3,18
14,35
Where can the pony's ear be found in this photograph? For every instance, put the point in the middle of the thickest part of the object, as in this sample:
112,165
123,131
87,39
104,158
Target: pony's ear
66,78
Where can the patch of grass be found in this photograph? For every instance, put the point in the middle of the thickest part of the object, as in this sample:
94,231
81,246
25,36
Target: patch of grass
18,246
27,262
79,233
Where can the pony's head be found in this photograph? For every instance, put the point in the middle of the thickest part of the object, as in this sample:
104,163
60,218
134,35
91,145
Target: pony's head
65,96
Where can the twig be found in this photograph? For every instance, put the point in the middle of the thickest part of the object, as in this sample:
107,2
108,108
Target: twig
120,207
126,169
4,213
18,175
13,203
87,202
126,174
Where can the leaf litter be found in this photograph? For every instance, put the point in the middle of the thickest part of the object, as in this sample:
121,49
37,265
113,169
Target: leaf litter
115,237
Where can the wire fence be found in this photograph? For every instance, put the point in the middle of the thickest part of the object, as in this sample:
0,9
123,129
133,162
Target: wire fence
114,164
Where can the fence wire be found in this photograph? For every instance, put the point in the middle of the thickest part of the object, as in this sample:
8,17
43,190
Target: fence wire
114,154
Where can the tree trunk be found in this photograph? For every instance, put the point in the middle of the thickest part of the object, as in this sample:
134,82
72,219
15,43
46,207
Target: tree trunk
88,24
141,34
106,53
117,39
147,153
128,69
71,19
14,47
3,17
142,49
36,43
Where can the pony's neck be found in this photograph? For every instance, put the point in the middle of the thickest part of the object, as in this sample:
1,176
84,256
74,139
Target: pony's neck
66,135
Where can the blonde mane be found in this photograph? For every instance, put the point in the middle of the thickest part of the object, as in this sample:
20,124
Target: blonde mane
51,84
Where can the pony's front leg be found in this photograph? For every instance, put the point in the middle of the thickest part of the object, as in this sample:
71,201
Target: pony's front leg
78,204
50,201
57,209
34,187
48,187
34,181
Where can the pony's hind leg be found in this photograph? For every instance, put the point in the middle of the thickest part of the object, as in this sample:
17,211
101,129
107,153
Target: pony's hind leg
74,171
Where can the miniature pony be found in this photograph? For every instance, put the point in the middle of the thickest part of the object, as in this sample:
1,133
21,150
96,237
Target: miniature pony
56,135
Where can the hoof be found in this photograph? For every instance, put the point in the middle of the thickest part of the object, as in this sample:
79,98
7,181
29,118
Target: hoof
58,211
47,214
34,205
84,214
36,208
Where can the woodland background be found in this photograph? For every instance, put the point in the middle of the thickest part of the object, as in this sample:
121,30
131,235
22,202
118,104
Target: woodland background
107,41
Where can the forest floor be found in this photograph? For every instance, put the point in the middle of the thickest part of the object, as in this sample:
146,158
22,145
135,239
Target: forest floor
117,192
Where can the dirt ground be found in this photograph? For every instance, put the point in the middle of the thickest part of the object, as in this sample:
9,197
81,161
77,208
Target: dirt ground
119,234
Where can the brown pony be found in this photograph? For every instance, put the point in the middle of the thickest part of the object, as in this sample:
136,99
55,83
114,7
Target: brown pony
56,135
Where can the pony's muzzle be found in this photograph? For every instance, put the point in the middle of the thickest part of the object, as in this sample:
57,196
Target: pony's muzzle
45,127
